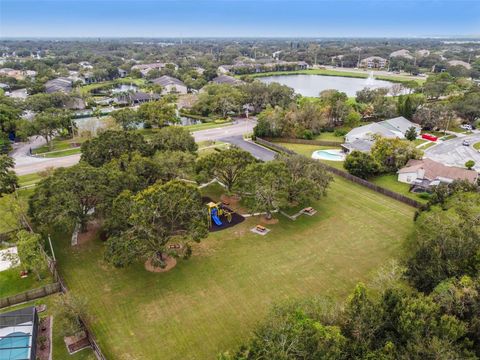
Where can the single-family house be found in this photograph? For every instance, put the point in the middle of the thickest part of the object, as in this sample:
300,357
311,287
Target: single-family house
136,98
460,63
18,94
58,84
225,79
403,53
373,62
425,173
170,85
122,73
362,137
146,68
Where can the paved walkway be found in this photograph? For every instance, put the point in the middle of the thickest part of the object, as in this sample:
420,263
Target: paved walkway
453,153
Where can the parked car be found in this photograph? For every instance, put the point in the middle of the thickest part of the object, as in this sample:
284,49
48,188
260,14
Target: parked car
429,137
466,143
466,127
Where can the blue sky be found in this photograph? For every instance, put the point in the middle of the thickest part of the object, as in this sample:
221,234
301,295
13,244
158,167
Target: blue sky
233,18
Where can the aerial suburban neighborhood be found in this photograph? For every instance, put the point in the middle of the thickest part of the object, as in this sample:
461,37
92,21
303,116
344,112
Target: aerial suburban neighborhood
239,180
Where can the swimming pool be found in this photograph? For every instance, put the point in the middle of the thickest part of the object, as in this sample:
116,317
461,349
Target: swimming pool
15,346
330,154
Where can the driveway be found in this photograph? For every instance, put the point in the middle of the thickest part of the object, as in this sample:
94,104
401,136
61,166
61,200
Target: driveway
259,152
453,153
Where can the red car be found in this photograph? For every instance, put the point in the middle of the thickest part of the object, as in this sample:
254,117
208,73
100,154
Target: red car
429,137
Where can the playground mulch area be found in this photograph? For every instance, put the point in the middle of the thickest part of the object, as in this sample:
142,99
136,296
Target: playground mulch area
236,218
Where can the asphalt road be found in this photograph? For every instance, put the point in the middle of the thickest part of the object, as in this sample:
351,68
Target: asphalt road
259,152
26,164
453,153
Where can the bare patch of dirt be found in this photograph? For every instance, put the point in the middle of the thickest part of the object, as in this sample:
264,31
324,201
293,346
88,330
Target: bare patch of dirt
170,264
92,229
231,201
271,221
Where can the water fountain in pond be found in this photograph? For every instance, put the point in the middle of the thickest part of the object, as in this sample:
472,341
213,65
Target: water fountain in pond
371,79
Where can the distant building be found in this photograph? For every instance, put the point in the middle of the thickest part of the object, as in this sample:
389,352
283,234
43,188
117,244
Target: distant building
247,67
4,86
170,85
460,63
362,137
85,65
404,53
423,52
136,98
225,79
18,94
146,68
373,62
122,73
58,84
425,173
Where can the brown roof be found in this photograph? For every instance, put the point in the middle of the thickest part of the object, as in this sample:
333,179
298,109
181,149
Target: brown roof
434,170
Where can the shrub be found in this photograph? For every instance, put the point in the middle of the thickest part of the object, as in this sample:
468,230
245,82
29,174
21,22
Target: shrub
360,164
470,164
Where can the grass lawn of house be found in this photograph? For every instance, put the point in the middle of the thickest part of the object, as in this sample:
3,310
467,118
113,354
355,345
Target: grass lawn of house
330,136
59,349
11,283
60,147
212,302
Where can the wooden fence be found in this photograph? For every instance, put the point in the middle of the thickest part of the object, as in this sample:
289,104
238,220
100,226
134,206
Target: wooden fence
392,194
29,295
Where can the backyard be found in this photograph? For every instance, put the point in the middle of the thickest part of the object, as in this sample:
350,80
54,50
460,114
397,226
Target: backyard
211,302
387,181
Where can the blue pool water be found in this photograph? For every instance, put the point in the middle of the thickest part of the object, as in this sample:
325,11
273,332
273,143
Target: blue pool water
15,346
331,155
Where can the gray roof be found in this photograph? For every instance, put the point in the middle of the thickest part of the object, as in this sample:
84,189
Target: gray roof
59,84
359,145
390,128
225,79
166,80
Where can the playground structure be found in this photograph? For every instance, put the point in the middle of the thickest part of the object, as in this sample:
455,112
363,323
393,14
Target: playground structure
217,210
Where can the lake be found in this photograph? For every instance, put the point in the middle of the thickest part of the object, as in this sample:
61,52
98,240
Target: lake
312,85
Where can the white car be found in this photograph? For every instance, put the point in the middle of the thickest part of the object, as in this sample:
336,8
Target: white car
466,127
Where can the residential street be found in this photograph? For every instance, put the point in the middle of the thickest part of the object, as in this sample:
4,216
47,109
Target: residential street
453,153
26,164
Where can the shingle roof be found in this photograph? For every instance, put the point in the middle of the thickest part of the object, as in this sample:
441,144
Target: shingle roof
168,80
58,84
225,79
435,170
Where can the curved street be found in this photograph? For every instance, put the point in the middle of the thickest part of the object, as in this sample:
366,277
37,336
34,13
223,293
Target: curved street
453,153
27,164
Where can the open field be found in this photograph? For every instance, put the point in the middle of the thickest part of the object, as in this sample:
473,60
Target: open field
59,349
352,74
211,302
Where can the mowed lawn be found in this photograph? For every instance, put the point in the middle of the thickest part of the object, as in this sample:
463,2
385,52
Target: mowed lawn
212,302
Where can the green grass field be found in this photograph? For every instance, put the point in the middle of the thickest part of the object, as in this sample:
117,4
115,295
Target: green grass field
11,283
59,349
476,146
352,74
61,153
330,136
212,302
58,145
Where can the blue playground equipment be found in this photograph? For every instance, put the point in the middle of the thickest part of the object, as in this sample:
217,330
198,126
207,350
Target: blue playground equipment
215,218
215,211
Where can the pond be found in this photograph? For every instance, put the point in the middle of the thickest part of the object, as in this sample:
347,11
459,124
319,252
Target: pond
312,85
